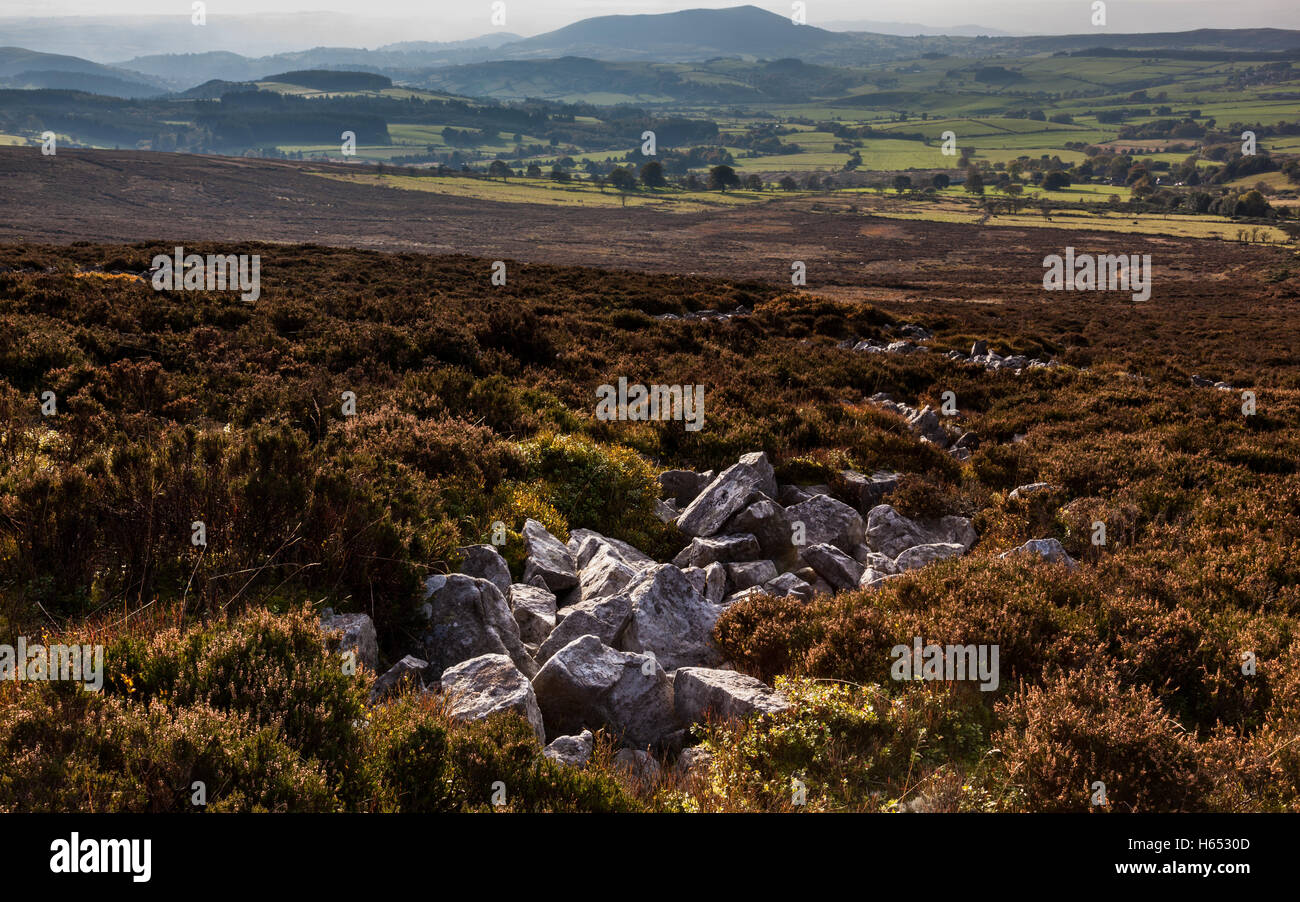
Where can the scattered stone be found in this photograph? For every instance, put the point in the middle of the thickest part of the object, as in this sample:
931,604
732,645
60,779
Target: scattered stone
358,636
727,494
587,684
828,521
1022,493
409,669
548,558
787,585
702,692
720,549
750,573
920,555
469,617
670,620
864,492
534,610
490,684
891,533
639,767
603,618
604,574
572,751
833,565
715,583
486,562
767,522
684,486
1050,550
694,761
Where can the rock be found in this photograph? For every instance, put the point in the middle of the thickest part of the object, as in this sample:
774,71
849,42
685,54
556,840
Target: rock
925,422
665,511
742,595
587,684
534,610
572,751
583,553
701,693
409,669
1202,382
358,636
1048,549
670,620
694,761
787,585
715,583
639,767
604,574
872,578
890,533
833,565
722,549
750,573
767,522
548,558
876,561
920,555
490,684
727,494
969,441
827,521
980,348
697,578
864,492
469,617
1022,493
486,562
684,486
603,618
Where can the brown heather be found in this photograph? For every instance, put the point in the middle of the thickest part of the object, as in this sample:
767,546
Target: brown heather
476,404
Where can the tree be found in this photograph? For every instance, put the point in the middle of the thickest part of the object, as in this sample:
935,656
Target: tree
652,175
788,184
902,183
534,171
499,170
940,181
754,183
974,181
1055,181
622,179
723,177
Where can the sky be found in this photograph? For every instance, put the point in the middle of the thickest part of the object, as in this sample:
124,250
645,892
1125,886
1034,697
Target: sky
457,19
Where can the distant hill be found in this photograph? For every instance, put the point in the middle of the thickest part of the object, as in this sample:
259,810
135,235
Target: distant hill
22,68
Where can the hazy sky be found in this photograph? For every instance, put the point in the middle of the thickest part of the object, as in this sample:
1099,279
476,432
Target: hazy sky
454,19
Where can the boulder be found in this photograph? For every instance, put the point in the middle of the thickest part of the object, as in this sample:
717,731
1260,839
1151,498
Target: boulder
670,620
788,585
891,533
700,693
721,549
358,637
920,555
750,573
864,492
715,583
1024,492
828,521
490,684
638,767
833,565
926,423
872,578
694,760
485,562
768,523
684,486
572,751
409,669
587,684
604,574
665,511
469,617
603,618
980,348
534,610
548,558
583,553
727,494
1048,549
